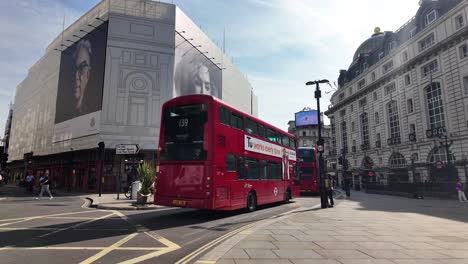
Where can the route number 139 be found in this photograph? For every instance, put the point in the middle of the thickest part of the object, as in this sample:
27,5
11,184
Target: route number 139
183,122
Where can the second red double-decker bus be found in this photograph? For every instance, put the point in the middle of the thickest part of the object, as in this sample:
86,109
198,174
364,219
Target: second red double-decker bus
308,169
213,156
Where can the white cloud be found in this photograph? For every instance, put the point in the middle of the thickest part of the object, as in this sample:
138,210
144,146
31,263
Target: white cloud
323,36
26,27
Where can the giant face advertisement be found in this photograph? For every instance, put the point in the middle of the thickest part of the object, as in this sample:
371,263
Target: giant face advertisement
80,86
194,73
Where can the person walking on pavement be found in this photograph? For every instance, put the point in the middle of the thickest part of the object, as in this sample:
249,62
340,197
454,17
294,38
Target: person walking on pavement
347,183
29,182
329,190
461,191
44,181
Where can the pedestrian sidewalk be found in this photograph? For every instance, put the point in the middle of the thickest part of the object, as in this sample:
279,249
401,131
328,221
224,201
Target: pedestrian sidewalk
12,191
110,202
363,229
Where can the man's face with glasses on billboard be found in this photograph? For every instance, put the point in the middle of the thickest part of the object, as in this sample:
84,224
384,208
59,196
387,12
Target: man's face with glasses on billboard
82,57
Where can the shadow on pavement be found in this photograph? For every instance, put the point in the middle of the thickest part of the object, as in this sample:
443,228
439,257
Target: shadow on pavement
448,209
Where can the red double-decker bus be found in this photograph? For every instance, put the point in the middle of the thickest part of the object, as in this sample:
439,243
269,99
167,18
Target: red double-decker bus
307,163
213,156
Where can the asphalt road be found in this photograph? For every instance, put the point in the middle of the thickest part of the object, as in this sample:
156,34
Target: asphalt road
60,230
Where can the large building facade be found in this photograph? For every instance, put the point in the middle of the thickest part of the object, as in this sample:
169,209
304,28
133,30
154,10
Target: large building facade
104,79
400,112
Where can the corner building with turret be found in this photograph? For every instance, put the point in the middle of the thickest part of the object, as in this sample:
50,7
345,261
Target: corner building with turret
400,114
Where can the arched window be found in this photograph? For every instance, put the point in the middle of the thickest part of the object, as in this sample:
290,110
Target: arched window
435,105
393,120
365,129
397,161
439,154
344,137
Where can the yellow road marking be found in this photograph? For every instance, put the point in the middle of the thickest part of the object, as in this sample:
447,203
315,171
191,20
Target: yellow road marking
246,232
85,248
45,216
77,225
2,229
197,252
108,249
169,244
205,262
145,257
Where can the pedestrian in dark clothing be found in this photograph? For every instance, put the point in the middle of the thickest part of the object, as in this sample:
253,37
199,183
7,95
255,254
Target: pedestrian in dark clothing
29,182
329,190
348,186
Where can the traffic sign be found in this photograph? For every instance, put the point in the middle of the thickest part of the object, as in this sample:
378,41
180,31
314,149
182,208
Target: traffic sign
122,149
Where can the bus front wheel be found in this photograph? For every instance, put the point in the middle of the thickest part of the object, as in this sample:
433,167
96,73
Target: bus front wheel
251,202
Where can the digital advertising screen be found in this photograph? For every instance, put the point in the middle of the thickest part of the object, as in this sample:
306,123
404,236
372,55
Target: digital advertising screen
306,118
194,73
80,86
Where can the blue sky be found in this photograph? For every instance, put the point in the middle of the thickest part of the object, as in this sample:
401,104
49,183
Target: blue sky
279,45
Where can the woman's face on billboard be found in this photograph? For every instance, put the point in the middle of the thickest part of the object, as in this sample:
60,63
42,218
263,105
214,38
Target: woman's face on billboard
202,83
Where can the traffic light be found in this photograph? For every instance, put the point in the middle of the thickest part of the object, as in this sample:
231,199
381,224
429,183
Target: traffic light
101,147
3,160
340,160
3,157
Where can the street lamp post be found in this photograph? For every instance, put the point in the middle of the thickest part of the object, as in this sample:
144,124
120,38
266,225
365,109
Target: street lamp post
446,144
320,142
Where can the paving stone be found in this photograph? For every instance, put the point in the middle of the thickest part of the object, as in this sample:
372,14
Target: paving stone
262,232
225,261
338,245
450,245
255,244
296,245
236,253
263,261
297,253
286,232
315,238
342,254
416,261
260,253
353,238
379,245
365,261
454,261
284,238
424,254
416,245
260,237
386,254
314,261
450,238
454,253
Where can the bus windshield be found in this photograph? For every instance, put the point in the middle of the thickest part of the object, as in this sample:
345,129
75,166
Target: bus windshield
184,132
306,155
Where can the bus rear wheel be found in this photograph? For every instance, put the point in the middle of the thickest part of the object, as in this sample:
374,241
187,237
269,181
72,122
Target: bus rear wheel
251,202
